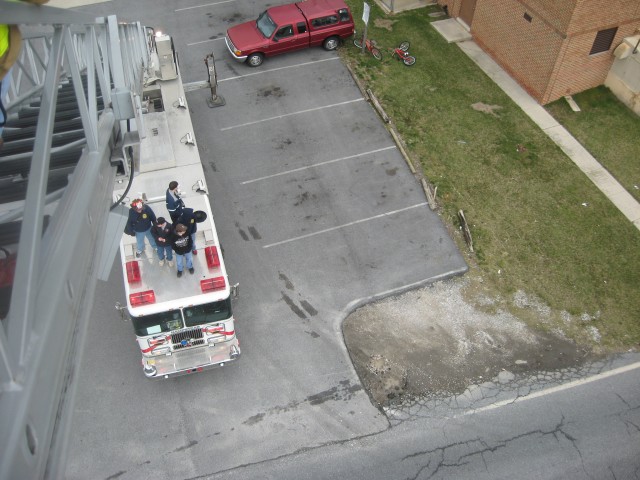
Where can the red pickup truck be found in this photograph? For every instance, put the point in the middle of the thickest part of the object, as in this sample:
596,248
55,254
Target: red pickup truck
291,27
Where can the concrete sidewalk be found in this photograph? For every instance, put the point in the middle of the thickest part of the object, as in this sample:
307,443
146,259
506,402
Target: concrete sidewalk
453,31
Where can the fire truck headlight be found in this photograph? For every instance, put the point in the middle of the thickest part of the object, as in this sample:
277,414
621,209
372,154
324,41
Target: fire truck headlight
150,370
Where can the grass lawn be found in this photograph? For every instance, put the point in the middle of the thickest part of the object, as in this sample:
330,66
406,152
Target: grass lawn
609,130
541,229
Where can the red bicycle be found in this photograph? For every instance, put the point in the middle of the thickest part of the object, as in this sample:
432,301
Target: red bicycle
369,45
402,53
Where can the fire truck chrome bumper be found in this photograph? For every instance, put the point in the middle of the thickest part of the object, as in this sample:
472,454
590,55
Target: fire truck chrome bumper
191,361
231,49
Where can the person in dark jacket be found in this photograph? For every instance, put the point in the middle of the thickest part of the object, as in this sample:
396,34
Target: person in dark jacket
162,232
182,245
188,219
141,218
174,202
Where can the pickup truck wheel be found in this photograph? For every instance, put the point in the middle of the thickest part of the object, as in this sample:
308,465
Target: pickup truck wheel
255,59
331,43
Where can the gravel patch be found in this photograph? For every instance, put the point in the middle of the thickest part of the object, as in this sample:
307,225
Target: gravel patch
432,341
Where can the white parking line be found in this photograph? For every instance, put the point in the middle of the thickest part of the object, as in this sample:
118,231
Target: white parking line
205,41
319,164
261,72
292,113
202,6
387,214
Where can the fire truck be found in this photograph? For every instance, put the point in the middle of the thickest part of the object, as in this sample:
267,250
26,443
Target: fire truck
182,325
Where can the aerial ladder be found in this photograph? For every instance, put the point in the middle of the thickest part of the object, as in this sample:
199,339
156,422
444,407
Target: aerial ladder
74,111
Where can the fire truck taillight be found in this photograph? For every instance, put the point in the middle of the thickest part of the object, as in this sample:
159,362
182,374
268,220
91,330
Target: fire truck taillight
133,272
212,284
142,298
213,260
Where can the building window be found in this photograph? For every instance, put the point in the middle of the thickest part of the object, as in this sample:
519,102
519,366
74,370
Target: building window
603,40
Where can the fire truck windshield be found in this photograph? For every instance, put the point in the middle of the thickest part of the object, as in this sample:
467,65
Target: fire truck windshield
207,313
181,318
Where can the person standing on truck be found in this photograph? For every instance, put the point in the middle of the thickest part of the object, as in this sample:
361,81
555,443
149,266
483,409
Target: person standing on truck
141,219
161,232
175,204
182,244
188,218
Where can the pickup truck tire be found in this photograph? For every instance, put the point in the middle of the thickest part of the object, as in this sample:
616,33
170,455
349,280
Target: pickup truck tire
331,43
255,59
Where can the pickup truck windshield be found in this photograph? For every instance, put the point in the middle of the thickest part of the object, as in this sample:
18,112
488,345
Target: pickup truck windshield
185,317
266,25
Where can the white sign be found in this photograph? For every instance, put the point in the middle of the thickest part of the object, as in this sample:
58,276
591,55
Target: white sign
365,13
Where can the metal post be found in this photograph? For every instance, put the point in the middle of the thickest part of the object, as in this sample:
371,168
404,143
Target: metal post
215,100
366,11
364,38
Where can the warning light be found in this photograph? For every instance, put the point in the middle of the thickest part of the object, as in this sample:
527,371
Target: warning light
212,284
213,260
133,272
142,298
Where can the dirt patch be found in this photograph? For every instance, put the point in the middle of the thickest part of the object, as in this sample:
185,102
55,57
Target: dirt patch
384,23
433,341
484,108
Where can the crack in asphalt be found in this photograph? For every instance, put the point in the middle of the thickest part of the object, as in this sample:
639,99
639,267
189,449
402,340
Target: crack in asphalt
431,462
478,447
290,454
432,404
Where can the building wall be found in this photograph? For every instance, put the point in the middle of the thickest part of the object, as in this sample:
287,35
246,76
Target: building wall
624,77
556,13
576,70
549,55
527,50
596,15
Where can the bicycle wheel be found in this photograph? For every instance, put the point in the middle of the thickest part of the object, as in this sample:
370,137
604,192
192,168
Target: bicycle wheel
357,42
404,46
409,60
376,54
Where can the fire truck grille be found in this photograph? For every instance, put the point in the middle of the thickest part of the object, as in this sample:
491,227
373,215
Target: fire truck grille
187,338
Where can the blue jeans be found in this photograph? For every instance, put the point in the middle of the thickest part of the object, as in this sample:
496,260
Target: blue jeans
140,240
165,250
193,239
180,260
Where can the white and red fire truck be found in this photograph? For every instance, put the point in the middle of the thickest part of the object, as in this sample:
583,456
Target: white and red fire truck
182,325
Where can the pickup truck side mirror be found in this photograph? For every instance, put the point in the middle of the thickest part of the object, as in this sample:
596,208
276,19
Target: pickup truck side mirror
235,290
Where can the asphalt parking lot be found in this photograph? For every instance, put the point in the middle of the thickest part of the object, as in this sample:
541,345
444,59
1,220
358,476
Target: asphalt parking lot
317,214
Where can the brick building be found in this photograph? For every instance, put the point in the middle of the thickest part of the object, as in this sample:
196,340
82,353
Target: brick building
551,47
